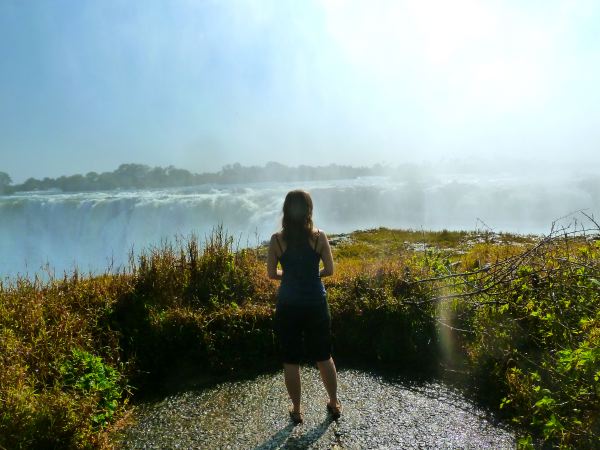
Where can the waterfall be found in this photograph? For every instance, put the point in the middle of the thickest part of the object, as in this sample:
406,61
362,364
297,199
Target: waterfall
95,230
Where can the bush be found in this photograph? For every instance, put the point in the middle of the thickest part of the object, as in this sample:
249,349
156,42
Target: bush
539,345
524,315
87,375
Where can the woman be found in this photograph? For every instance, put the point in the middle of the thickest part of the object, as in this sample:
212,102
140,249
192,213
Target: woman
302,310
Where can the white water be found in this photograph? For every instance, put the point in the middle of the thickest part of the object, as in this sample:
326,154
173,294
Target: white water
89,230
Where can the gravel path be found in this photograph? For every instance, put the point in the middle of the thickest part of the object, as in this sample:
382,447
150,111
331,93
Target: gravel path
378,413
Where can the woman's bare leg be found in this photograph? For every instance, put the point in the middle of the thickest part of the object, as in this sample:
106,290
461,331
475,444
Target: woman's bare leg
329,377
291,373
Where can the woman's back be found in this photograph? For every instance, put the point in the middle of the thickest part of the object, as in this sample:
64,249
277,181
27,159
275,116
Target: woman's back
300,282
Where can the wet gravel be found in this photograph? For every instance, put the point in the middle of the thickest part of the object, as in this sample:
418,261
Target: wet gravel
378,413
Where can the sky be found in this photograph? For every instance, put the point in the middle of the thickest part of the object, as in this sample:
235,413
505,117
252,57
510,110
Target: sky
88,85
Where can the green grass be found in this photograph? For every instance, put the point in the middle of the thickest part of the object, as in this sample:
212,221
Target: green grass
383,242
386,243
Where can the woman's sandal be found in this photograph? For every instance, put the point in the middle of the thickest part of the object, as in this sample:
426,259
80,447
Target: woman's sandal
297,417
335,411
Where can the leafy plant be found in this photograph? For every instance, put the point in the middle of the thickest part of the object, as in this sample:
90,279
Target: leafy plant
89,375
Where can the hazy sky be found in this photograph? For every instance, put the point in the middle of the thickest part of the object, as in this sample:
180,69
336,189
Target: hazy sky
88,85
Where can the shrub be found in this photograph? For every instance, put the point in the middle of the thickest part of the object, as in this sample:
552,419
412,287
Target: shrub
88,376
524,314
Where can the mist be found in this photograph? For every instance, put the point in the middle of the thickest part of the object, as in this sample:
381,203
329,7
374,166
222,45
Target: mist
96,231
204,84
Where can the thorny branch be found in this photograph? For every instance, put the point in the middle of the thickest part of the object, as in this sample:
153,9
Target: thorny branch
491,283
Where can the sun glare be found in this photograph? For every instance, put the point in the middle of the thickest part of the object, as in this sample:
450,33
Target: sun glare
470,51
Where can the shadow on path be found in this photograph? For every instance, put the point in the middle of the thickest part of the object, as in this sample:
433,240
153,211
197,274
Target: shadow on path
284,438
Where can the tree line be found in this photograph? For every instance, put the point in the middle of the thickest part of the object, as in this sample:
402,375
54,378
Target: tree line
141,176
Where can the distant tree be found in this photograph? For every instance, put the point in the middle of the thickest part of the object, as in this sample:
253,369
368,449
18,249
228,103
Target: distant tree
274,171
5,182
179,177
31,184
140,176
74,183
107,181
47,183
91,181
157,177
131,175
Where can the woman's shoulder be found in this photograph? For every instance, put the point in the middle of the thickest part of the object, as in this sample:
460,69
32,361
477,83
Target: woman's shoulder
318,238
318,232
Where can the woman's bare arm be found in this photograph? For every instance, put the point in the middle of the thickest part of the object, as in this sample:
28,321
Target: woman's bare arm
272,258
326,256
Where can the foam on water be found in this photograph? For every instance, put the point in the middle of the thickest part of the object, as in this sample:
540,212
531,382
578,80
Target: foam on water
97,229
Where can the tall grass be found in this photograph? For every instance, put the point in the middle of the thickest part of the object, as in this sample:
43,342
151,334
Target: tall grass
46,329
73,351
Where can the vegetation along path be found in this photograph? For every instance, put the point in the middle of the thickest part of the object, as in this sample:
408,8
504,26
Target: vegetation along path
379,412
512,320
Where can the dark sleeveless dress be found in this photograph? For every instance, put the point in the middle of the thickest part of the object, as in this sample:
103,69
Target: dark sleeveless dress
302,318
301,283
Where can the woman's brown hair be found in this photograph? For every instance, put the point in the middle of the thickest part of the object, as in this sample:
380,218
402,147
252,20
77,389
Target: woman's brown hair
297,217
